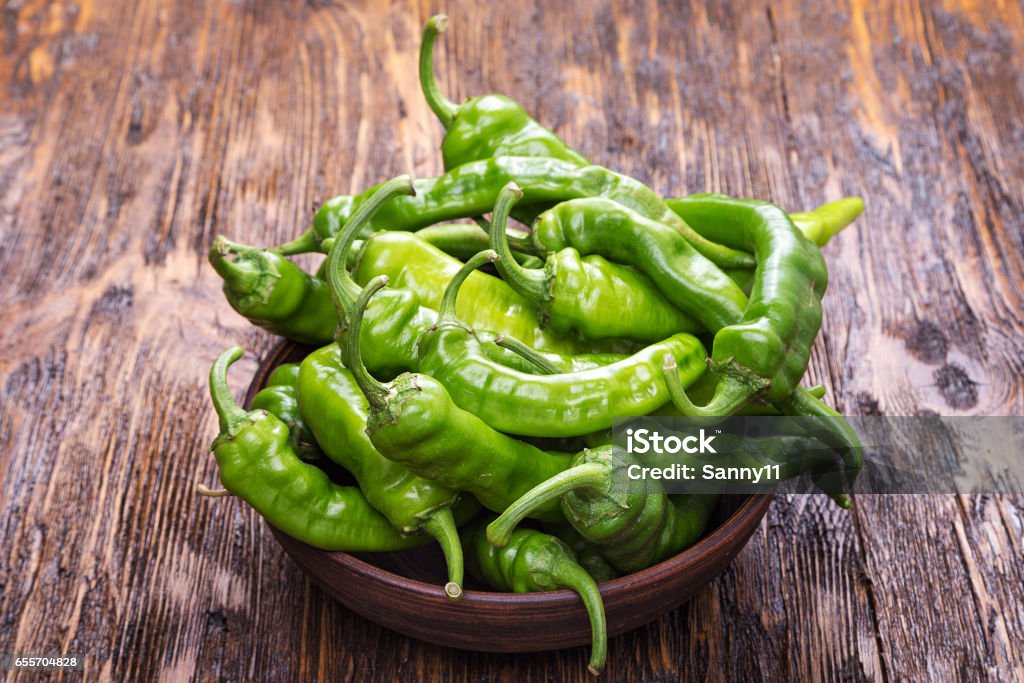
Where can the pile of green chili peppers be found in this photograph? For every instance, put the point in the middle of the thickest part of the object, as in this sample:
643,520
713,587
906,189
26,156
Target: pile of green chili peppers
461,371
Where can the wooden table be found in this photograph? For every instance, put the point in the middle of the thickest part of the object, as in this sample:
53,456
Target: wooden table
131,133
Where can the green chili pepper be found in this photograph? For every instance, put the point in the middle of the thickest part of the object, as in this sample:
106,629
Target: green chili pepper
413,421
819,225
336,410
631,529
496,126
488,126
257,465
588,295
547,405
278,398
472,189
588,556
397,319
533,562
598,226
416,266
765,352
274,293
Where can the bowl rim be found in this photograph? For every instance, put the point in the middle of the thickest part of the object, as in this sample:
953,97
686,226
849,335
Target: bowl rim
749,513
743,522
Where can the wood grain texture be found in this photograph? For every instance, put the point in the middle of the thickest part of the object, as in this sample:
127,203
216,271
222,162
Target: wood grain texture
133,132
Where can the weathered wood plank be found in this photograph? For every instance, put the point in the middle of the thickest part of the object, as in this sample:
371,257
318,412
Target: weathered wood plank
132,133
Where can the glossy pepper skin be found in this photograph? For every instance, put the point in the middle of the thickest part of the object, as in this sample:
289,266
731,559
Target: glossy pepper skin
764,353
257,465
463,240
532,562
487,126
279,399
819,225
597,226
274,293
631,529
336,410
397,319
495,126
413,421
547,405
587,295
472,189
414,265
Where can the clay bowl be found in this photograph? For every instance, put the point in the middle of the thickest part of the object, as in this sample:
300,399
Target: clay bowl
402,590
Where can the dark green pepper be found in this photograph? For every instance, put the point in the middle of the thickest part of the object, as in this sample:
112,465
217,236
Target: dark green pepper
336,410
588,556
631,529
257,465
547,405
279,399
533,562
589,295
413,421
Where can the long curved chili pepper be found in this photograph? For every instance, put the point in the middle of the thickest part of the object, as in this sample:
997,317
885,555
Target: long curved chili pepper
257,465
495,125
472,189
413,421
818,225
533,562
588,295
632,529
598,226
547,405
487,126
336,411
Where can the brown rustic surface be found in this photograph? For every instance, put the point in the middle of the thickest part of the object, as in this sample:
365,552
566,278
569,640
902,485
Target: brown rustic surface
131,132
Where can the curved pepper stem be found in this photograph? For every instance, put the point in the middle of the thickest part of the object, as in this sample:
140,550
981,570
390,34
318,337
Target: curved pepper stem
528,282
375,392
446,311
303,244
730,395
589,475
442,107
441,525
519,348
343,288
229,413
569,574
